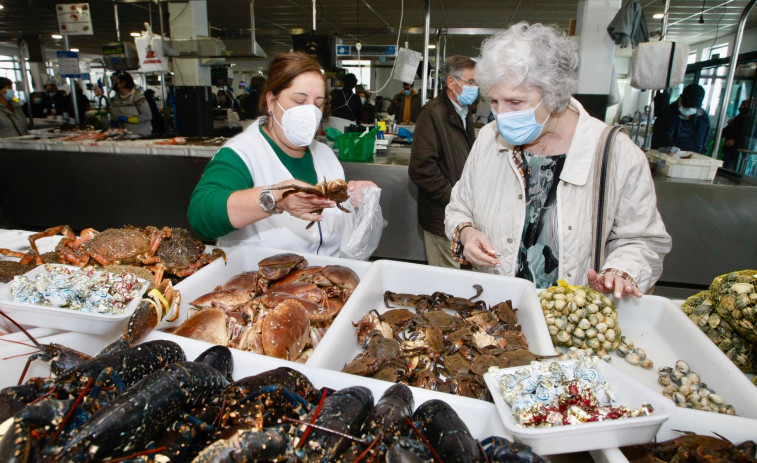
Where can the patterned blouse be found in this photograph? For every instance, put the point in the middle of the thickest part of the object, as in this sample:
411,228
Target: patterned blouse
538,256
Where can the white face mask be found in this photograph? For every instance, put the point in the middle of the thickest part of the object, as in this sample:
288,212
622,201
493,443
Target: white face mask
299,123
687,111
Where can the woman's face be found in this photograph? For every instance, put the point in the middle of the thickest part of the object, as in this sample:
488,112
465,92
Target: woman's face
505,98
307,88
4,89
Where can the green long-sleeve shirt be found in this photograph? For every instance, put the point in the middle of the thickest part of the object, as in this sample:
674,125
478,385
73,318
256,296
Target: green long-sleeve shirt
226,173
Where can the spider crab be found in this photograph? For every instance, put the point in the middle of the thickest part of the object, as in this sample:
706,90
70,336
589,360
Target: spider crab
335,190
164,250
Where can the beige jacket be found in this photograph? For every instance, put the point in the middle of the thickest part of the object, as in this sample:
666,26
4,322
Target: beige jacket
491,194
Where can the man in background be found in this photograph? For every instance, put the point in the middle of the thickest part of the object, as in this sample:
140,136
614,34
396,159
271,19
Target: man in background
406,105
733,134
443,138
684,124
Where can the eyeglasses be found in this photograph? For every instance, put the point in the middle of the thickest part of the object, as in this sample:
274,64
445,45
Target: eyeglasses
469,81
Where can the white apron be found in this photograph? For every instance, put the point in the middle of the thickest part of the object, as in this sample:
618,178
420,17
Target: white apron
284,231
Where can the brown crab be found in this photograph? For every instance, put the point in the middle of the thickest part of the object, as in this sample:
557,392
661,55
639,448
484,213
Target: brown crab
335,190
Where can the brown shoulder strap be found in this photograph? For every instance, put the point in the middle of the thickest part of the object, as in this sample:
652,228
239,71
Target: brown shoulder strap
602,162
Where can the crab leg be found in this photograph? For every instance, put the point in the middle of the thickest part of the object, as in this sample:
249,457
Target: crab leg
65,230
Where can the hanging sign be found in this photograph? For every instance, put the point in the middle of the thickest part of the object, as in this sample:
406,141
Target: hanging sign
74,19
68,64
366,50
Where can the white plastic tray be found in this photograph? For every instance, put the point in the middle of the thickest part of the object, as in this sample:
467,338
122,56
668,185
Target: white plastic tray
660,327
588,436
66,319
339,346
242,259
480,417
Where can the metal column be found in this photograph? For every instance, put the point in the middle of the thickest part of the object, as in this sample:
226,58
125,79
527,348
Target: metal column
729,81
424,90
118,27
27,86
437,83
73,86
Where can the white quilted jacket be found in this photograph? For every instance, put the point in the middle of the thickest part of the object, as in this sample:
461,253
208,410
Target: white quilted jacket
491,194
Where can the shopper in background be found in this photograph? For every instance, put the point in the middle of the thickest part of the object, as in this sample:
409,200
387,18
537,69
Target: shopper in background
368,111
733,134
12,117
524,205
129,108
82,103
406,105
234,200
157,120
250,101
684,124
442,138
58,100
345,104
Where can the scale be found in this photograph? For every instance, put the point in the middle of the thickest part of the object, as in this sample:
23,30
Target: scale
120,56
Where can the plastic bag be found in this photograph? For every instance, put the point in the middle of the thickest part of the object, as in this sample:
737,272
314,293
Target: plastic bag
406,65
365,223
651,61
150,52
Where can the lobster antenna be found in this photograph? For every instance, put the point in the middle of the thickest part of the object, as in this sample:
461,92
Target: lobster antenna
28,335
323,428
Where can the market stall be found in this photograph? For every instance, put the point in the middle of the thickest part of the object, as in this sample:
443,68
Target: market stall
656,324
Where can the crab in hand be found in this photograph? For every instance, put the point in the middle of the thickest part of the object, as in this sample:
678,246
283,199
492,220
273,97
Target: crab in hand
334,190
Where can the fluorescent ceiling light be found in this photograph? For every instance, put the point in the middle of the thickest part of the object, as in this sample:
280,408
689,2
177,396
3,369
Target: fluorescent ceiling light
135,34
659,16
432,46
75,49
1,7
57,36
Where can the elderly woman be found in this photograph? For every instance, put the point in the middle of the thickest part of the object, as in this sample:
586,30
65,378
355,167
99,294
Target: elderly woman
525,205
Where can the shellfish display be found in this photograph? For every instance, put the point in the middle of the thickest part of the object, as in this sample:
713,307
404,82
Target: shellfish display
282,309
578,316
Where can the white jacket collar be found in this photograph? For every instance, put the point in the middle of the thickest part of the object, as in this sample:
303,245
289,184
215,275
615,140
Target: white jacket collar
582,148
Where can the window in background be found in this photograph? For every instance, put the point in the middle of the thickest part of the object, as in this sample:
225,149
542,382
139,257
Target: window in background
719,51
10,68
361,69
692,58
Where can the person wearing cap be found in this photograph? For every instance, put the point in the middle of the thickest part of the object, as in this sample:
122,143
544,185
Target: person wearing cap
368,113
685,124
406,105
443,136
12,117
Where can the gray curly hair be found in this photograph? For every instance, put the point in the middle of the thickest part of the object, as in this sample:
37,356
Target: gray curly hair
537,56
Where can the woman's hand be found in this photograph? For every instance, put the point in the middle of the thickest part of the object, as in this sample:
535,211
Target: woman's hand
304,206
606,282
477,249
356,190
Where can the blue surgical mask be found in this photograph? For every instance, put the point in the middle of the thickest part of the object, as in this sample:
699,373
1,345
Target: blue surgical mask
468,95
10,94
362,100
520,127
406,92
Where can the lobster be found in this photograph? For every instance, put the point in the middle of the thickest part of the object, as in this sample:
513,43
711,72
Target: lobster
499,449
53,414
132,420
385,424
446,434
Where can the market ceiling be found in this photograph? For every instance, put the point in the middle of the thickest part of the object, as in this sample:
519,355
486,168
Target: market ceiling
373,22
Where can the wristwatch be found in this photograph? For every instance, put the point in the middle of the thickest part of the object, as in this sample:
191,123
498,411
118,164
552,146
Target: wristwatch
267,201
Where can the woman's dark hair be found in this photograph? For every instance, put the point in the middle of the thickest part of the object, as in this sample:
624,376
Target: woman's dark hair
4,82
126,78
284,69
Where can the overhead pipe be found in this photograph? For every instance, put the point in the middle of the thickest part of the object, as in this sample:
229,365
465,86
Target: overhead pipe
729,81
427,26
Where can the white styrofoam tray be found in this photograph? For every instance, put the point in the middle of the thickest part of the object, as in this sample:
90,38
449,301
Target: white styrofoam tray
480,417
589,436
339,346
658,325
241,259
66,319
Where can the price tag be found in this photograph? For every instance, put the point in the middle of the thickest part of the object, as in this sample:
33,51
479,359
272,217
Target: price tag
68,64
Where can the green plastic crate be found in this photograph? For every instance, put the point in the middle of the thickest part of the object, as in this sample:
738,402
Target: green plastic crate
354,148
